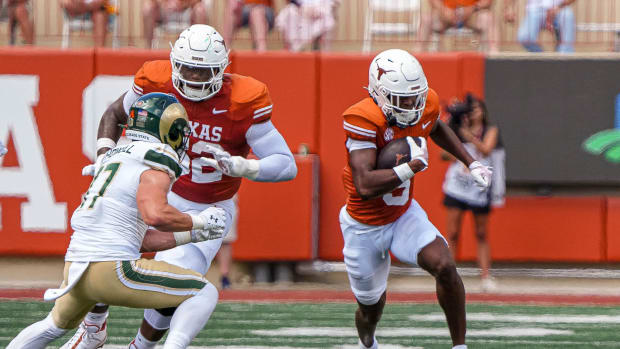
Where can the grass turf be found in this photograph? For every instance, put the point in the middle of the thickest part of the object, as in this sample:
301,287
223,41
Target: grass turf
236,324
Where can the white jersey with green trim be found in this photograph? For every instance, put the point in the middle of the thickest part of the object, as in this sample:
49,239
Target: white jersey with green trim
107,225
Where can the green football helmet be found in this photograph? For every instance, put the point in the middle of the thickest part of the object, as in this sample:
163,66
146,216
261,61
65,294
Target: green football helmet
159,117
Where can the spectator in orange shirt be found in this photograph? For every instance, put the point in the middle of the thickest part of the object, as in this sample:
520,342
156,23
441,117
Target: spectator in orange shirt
257,14
18,15
97,9
446,14
159,11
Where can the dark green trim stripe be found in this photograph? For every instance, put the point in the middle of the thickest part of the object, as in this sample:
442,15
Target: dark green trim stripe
165,160
167,282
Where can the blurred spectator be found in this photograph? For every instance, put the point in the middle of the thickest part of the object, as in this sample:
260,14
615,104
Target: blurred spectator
307,21
446,14
98,10
224,255
18,14
157,12
470,121
257,14
554,15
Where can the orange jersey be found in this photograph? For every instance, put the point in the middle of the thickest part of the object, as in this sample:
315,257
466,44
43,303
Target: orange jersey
365,121
221,121
459,3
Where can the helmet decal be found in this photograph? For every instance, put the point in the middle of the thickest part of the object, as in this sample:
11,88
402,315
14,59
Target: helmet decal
159,117
381,71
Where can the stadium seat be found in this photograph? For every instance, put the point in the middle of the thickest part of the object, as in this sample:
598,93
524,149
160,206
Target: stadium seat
175,24
372,27
84,22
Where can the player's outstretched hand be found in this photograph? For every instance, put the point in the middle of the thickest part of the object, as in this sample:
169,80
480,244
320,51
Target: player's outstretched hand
91,170
233,166
482,174
418,150
88,170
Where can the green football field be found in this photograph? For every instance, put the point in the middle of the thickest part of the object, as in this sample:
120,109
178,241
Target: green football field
331,325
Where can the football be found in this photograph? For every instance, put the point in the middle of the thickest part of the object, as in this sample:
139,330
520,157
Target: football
395,153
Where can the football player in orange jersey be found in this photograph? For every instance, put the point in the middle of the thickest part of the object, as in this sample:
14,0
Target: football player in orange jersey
228,115
380,214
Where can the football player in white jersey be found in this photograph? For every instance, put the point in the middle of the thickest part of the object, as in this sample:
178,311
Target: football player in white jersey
127,195
228,115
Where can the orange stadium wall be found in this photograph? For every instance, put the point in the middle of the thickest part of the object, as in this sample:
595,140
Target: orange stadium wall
56,97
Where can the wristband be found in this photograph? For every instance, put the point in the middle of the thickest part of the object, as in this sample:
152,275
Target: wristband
252,170
105,143
197,222
404,172
182,237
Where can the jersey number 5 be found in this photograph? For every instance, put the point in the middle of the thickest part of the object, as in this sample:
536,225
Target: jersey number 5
398,196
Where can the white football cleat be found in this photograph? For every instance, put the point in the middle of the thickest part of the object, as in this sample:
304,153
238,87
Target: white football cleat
88,336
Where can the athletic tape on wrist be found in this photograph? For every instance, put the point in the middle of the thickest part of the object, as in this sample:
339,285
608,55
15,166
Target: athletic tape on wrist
197,222
105,143
182,237
404,172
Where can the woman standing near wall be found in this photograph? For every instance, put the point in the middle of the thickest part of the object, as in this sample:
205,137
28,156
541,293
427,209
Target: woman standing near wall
470,121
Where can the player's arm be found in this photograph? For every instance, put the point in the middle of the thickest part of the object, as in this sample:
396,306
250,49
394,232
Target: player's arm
445,138
151,198
276,162
109,130
155,240
371,182
153,204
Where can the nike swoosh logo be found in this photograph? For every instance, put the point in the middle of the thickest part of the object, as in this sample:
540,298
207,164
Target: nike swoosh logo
425,125
215,111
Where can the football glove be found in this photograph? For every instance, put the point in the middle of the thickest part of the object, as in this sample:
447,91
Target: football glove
196,235
481,174
212,219
233,166
418,150
91,170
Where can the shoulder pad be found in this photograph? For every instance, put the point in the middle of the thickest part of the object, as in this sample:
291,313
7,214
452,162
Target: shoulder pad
161,157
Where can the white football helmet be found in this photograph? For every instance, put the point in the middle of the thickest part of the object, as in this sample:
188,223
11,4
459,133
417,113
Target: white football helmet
397,83
199,58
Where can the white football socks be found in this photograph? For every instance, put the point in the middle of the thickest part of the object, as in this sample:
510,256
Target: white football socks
94,321
142,343
190,317
375,344
37,335
460,346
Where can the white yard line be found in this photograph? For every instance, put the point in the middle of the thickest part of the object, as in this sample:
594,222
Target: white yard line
580,273
521,318
413,331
